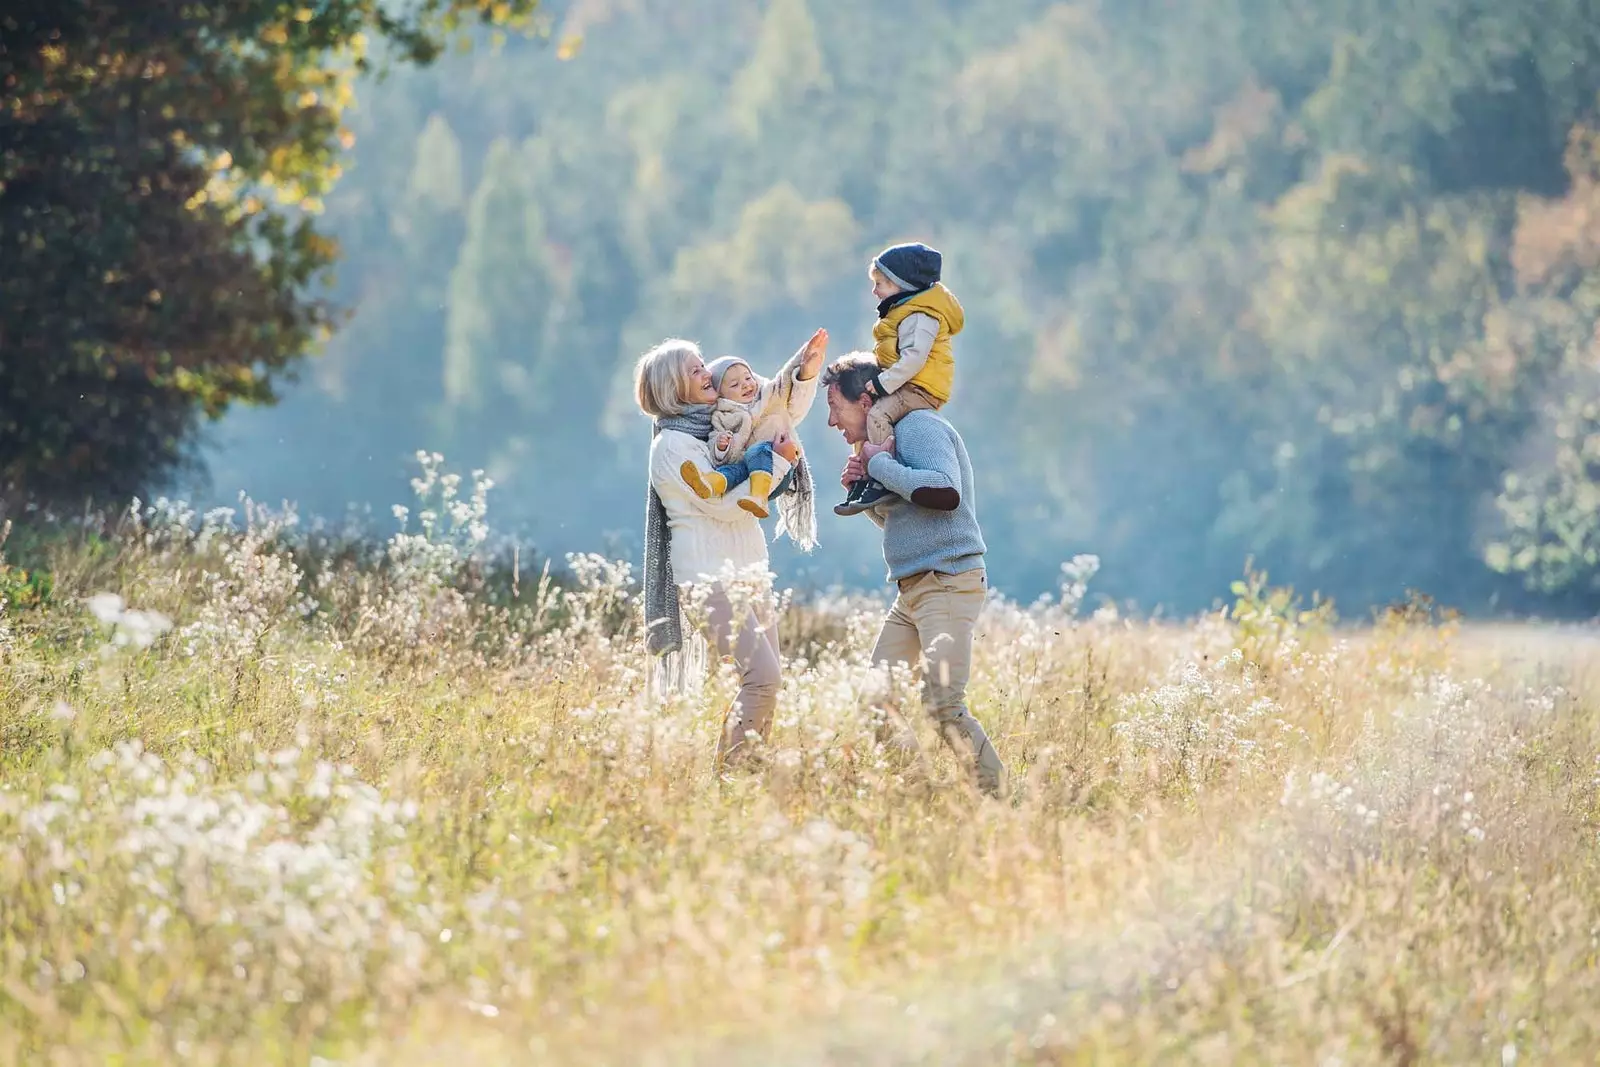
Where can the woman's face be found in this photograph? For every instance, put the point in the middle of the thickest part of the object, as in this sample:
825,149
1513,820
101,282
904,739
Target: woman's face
697,387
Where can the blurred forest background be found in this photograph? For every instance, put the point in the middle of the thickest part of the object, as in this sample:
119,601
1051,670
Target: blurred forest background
1313,281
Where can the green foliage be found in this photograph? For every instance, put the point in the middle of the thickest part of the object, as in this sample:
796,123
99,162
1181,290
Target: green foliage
1265,616
1550,499
1311,282
497,316
21,588
161,165
786,64
1417,611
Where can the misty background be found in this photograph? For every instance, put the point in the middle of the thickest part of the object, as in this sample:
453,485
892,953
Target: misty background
1309,282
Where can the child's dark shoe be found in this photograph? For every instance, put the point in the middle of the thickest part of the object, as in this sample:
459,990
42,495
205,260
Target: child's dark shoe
874,494
864,496
847,508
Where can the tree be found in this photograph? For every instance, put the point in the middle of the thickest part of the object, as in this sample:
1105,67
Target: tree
1550,499
787,64
500,306
1303,280
161,166
434,194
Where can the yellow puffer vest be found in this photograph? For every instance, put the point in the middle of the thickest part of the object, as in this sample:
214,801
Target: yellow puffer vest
937,375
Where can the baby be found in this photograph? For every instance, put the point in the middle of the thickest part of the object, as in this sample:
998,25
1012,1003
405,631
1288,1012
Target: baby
751,466
917,317
750,414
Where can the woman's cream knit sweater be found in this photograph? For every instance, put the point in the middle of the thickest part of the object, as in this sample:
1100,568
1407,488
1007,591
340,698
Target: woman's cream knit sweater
707,535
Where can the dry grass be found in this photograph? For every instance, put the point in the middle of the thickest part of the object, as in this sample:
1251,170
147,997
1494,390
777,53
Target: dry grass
369,808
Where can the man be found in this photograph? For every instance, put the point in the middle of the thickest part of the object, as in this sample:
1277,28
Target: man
933,548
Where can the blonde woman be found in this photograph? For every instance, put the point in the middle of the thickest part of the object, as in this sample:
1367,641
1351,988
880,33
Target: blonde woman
690,541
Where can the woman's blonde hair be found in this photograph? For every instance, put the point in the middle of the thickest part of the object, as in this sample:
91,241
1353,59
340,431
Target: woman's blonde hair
661,377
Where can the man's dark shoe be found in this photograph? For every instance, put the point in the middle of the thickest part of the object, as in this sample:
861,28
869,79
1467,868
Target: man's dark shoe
864,496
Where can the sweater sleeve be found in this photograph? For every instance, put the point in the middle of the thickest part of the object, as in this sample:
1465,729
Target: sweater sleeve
667,455
794,393
924,458
802,396
915,337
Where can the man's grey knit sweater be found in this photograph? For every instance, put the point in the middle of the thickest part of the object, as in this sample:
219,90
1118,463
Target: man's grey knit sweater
928,454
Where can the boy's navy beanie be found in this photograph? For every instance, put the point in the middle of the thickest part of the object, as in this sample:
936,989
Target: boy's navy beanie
912,266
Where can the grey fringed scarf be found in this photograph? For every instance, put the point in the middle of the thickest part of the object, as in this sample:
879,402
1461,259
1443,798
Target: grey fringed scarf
797,514
663,631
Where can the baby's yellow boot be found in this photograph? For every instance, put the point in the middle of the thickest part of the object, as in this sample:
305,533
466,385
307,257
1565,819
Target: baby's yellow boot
756,502
706,484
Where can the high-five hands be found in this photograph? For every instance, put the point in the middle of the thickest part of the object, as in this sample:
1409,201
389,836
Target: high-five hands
816,350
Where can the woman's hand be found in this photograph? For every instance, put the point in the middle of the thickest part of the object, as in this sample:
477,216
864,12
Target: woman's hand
786,446
811,362
724,442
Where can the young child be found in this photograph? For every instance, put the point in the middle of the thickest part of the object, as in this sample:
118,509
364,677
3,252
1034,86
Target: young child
917,317
750,414
752,467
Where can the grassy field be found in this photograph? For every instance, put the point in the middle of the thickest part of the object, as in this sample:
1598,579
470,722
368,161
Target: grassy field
285,800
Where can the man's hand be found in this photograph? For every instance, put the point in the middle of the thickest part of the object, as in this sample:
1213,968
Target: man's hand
816,349
855,469
869,450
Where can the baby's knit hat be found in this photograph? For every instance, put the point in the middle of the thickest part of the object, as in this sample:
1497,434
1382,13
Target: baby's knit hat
721,366
912,267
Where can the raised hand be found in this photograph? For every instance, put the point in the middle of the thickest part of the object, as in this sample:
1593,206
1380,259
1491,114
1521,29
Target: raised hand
816,350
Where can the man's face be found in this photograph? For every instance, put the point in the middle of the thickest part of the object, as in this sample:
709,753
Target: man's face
849,417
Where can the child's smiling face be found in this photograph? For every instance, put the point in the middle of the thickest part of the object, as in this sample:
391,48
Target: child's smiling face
882,287
739,384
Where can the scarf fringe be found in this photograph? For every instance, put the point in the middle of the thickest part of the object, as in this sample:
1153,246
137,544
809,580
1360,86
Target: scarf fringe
682,672
797,516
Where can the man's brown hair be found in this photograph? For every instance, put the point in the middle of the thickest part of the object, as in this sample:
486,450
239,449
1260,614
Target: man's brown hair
851,373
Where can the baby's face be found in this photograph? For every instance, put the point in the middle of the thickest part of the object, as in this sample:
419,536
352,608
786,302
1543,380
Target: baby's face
882,287
739,384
